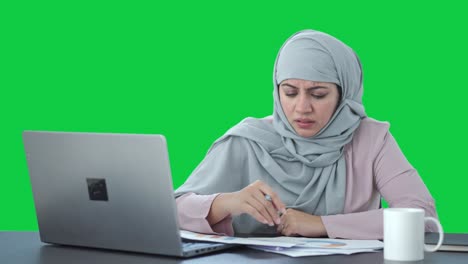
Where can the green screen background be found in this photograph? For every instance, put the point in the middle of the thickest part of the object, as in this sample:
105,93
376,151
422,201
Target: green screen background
192,70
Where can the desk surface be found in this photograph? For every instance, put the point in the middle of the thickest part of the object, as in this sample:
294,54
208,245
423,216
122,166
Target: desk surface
25,247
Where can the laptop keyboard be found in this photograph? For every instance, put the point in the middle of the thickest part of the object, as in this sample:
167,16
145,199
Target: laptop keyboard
187,245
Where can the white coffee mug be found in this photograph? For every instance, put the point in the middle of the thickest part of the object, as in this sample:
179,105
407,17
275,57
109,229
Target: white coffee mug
404,234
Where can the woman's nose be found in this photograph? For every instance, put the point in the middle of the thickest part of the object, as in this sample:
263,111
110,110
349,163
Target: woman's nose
303,104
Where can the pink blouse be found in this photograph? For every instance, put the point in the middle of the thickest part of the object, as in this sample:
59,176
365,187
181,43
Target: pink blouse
375,167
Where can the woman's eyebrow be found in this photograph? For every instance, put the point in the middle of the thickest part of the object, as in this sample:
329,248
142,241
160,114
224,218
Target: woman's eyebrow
310,88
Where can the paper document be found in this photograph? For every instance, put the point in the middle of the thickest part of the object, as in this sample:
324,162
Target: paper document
320,246
294,246
303,252
325,243
233,240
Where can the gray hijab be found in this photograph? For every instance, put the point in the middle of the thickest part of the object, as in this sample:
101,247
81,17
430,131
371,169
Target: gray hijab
308,174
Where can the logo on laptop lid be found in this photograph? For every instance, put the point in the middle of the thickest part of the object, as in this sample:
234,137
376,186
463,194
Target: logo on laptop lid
97,189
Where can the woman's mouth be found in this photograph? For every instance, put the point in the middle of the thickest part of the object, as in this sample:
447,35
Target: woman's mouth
304,123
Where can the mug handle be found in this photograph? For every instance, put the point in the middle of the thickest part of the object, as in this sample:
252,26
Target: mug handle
441,235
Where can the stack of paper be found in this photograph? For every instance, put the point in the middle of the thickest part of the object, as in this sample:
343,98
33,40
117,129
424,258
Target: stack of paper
319,246
294,246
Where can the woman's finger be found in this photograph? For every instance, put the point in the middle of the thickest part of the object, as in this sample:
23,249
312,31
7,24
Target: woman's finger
247,208
283,223
268,205
280,228
277,203
260,207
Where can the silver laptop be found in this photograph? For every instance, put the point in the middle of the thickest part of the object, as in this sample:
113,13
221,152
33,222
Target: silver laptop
111,191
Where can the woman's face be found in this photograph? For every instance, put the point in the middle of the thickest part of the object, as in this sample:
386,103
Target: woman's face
308,105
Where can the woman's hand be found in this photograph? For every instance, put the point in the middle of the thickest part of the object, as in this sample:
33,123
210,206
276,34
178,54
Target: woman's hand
297,223
250,200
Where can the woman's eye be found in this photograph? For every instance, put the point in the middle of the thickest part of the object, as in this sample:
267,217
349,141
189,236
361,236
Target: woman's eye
319,96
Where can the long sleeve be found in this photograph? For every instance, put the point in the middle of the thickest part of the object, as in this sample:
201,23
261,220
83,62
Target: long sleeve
193,210
220,172
384,169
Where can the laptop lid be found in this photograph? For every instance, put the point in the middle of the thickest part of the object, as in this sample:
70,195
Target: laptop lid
110,191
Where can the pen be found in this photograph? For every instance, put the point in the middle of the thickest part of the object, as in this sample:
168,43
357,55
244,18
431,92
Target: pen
268,198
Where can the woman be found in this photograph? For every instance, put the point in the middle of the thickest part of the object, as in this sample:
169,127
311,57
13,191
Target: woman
317,167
